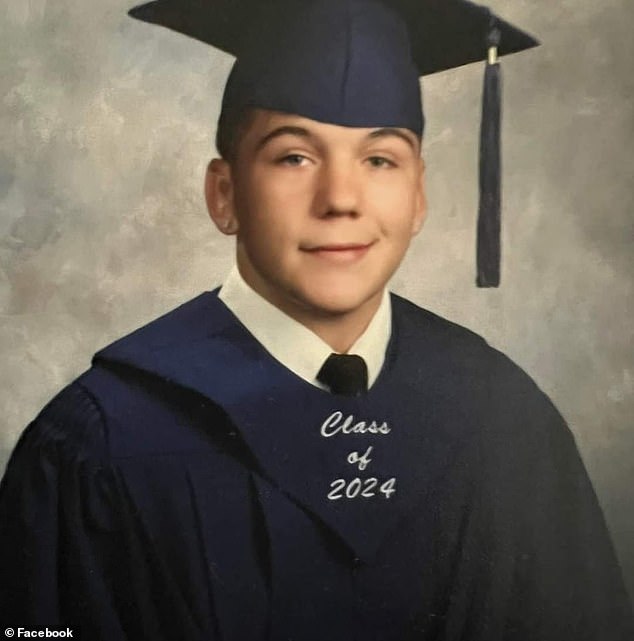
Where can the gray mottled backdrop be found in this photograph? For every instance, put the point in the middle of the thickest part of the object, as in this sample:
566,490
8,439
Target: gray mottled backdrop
105,129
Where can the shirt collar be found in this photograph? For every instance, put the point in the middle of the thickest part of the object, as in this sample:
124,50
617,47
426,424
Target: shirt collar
294,345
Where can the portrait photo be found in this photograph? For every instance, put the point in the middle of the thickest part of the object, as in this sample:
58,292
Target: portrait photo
318,317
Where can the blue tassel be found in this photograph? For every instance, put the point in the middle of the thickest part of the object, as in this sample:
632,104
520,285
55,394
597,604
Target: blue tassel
489,213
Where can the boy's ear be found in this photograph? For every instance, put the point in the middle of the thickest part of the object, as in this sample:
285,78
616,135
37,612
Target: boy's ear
421,201
219,196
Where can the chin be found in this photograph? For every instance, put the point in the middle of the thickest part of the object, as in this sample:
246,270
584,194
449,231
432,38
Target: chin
335,301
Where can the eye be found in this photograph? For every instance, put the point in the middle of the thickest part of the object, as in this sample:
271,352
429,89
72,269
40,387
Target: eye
293,160
379,162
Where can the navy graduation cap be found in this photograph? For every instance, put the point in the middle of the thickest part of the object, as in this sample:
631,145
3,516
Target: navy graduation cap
356,63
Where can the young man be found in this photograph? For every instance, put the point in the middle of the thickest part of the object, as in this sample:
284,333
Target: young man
301,455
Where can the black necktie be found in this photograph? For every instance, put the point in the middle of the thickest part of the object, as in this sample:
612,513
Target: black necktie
345,374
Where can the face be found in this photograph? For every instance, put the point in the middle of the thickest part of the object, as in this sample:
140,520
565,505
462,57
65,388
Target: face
323,214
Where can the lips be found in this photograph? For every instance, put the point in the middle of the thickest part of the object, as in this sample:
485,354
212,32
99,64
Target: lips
339,252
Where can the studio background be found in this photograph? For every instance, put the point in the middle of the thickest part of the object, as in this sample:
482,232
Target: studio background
106,126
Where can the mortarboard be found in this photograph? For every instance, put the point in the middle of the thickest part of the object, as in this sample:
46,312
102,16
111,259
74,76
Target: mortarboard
356,63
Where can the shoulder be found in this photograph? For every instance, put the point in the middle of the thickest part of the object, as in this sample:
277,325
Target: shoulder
118,408
463,361
69,430
108,415
196,318
418,323
515,440
444,344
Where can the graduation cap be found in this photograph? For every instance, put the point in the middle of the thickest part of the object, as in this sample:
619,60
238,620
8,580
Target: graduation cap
356,63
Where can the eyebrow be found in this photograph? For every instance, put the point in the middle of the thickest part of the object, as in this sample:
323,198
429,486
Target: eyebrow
393,131
282,131
305,133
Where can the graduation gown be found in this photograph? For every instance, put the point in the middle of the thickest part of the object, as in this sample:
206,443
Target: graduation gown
188,486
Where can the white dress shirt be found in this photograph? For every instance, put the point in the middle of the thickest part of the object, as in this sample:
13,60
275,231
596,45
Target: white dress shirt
295,346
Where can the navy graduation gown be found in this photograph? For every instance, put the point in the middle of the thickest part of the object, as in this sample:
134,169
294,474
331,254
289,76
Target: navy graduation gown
189,486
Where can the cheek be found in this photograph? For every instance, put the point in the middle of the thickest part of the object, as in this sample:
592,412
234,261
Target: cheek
268,227
397,210
275,200
281,185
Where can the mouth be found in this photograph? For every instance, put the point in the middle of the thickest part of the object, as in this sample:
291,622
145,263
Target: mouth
339,252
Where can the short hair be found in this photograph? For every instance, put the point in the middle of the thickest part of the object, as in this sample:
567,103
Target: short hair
232,124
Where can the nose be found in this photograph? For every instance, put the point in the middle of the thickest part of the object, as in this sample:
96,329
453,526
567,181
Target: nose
338,192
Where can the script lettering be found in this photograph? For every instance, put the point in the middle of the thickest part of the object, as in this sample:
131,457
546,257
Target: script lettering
336,424
362,460
361,488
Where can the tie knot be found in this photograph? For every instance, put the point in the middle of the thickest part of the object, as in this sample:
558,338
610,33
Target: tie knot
345,374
